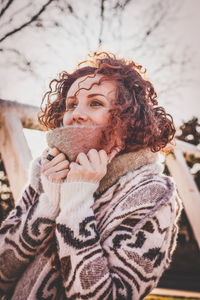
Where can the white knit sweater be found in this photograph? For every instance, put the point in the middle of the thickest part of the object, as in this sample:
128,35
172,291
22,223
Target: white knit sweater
79,240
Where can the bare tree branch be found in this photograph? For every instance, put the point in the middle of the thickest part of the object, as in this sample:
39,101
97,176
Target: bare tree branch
34,18
22,62
150,30
118,10
15,13
6,7
120,5
102,21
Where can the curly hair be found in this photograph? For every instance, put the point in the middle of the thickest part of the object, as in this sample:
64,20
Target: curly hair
135,113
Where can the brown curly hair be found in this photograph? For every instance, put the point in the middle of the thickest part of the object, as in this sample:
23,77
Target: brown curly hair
135,114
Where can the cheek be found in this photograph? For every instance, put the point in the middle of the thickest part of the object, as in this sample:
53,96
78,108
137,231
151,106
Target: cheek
67,118
101,118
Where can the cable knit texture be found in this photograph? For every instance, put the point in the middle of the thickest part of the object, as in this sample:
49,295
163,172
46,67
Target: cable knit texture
80,240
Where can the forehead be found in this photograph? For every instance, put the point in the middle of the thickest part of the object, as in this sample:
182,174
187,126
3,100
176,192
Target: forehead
90,84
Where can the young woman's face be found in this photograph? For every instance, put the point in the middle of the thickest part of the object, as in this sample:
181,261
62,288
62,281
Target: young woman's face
91,105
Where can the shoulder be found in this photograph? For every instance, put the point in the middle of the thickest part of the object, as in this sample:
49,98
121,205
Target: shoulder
147,190
143,196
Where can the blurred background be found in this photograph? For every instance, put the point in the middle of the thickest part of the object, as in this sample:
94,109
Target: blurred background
39,39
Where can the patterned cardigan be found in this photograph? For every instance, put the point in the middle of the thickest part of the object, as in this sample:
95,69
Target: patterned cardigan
79,240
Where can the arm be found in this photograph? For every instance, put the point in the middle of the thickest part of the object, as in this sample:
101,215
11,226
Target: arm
26,228
128,262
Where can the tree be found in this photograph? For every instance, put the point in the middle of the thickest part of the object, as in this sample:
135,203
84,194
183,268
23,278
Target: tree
46,36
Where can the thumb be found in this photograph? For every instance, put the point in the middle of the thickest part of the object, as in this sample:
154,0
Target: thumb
113,153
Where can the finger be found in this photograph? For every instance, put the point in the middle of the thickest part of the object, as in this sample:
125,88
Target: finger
57,159
49,157
113,153
76,172
53,151
103,157
83,160
93,156
63,165
58,176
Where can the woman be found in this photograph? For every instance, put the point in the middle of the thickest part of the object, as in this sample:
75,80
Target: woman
98,222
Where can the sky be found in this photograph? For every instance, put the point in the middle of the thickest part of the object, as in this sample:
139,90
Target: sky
33,56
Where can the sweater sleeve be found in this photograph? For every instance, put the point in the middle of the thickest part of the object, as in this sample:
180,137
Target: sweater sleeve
125,256
24,231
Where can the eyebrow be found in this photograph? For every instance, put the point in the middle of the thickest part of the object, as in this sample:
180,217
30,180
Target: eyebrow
97,94
70,97
89,96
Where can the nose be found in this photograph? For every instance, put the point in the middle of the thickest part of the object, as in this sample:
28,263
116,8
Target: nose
79,115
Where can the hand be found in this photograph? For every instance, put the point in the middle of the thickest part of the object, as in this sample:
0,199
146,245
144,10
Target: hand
57,169
113,153
91,167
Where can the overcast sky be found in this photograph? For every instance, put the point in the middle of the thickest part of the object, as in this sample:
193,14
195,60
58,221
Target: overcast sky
170,53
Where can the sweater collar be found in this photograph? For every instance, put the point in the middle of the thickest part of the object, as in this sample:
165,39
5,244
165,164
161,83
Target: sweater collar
123,164
63,139
68,140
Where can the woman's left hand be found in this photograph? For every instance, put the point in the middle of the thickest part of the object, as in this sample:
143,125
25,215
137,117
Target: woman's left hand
90,168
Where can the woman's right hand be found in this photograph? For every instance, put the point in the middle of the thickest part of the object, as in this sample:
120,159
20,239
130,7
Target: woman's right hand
57,169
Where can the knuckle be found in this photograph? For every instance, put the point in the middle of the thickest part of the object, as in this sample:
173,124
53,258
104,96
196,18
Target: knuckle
66,164
53,151
62,156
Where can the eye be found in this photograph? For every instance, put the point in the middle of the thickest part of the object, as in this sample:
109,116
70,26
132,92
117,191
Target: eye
71,105
96,103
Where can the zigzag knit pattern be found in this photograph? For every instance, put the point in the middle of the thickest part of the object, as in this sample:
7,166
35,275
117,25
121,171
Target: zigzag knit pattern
110,245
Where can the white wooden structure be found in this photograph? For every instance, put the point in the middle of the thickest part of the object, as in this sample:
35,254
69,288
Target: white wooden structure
17,156
14,149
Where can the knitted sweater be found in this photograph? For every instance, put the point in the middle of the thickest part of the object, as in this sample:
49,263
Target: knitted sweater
78,240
